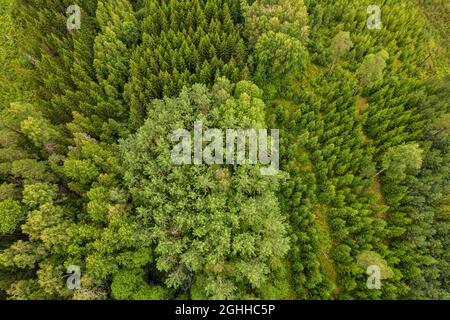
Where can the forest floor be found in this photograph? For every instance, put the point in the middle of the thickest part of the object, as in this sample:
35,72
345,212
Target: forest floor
325,256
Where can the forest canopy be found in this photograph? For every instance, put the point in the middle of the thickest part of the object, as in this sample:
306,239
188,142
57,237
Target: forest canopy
93,206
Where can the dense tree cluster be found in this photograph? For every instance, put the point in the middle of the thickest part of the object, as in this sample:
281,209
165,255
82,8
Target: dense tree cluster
87,118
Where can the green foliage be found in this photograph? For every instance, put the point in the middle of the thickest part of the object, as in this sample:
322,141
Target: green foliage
371,69
11,212
184,207
340,45
37,194
370,258
400,160
278,16
182,44
86,125
128,285
279,56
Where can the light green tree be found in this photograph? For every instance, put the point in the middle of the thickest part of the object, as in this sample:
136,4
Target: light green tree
232,209
371,69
